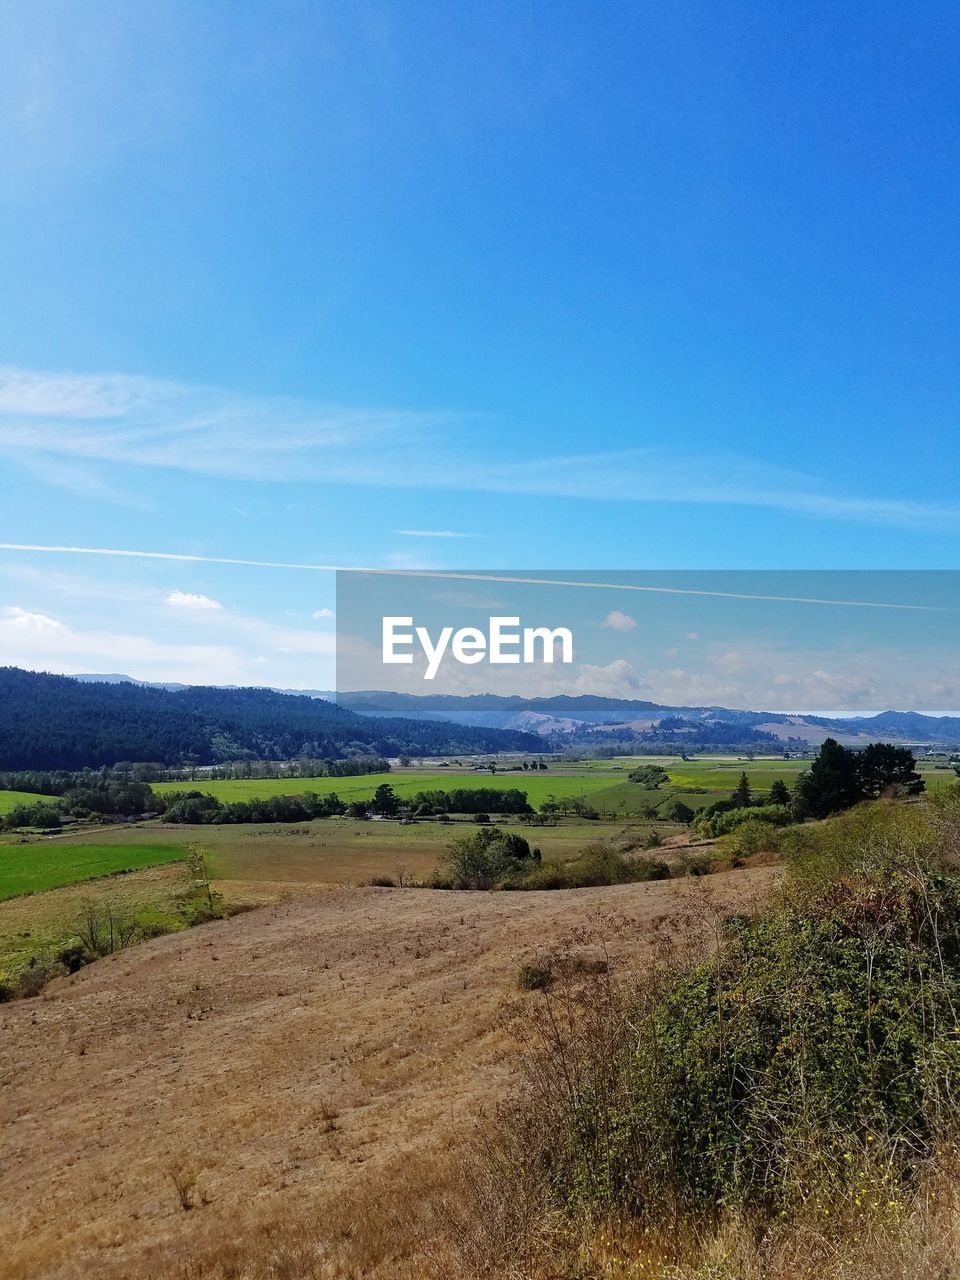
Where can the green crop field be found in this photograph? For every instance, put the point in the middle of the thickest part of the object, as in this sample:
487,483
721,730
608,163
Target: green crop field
538,786
49,864
601,783
10,798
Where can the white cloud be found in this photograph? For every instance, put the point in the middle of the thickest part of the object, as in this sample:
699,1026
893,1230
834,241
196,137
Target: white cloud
192,600
23,620
433,533
692,635
237,652
320,614
618,621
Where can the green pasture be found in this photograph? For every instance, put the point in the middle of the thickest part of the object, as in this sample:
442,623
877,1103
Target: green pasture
538,786
10,798
48,864
601,783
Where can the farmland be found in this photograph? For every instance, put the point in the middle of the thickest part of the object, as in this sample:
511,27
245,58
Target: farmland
8,799
275,859
36,866
601,783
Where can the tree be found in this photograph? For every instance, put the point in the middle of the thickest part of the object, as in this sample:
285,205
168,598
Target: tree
677,811
883,768
831,784
779,792
385,800
649,776
742,796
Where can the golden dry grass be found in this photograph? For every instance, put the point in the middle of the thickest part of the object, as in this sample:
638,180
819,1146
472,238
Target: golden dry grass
303,1078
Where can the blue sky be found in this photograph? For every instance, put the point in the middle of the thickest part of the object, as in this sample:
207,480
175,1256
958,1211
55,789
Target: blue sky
588,286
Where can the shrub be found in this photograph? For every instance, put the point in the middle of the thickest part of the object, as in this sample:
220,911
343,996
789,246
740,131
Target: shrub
483,859
676,811
755,835
33,979
724,821
811,1063
537,976
701,864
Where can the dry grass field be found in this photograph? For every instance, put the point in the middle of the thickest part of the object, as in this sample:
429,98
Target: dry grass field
285,1093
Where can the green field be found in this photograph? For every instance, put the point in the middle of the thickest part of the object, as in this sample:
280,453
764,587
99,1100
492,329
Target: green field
601,783
49,864
406,783
10,798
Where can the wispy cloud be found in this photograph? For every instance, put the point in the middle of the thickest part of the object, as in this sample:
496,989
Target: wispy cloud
143,422
433,533
416,571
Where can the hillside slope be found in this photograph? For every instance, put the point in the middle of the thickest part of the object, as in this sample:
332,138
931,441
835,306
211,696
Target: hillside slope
56,722
314,1067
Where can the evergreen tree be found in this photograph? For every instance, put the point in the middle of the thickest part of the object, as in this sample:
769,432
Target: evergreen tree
832,783
385,800
779,792
883,768
742,796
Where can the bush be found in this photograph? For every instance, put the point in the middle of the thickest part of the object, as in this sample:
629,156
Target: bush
811,1064
484,859
755,835
537,976
676,811
724,821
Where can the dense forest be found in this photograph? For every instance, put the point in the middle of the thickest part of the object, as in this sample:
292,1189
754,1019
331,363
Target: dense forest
55,722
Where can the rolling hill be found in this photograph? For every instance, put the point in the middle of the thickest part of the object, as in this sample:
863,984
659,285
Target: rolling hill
57,722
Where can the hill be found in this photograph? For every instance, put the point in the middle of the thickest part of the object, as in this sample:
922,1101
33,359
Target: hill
57,722
586,713
303,1075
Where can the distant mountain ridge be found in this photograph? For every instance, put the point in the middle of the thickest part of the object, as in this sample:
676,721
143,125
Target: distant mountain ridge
58,722
496,711
568,714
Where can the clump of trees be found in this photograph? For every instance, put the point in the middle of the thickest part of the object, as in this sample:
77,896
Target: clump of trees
838,779
494,859
649,776
86,795
485,859
431,803
199,808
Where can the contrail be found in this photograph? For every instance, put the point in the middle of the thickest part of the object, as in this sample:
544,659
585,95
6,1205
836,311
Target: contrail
463,576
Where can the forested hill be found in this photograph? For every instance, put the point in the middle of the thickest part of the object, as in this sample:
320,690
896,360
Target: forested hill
55,722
